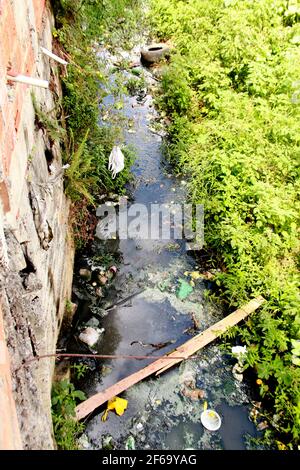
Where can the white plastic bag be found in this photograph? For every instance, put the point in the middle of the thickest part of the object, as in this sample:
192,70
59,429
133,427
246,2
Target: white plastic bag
116,161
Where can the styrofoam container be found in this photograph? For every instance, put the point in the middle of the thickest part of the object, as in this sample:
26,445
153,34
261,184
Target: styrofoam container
211,420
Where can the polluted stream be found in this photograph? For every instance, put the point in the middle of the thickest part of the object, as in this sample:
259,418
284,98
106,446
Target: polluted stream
136,311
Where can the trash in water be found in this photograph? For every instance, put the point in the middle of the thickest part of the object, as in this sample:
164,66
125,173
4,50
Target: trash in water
237,372
195,275
116,161
99,292
108,442
262,426
211,420
117,404
130,443
196,394
85,274
139,427
184,290
90,336
113,269
239,351
102,279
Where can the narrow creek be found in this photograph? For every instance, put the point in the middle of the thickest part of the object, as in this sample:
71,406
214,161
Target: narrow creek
161,412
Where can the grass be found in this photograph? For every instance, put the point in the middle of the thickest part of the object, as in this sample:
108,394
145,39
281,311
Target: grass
230,94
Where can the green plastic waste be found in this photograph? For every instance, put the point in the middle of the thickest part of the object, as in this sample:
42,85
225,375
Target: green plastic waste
130,443
184,290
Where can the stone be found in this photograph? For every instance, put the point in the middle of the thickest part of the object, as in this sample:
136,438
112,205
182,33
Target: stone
32,283
15,253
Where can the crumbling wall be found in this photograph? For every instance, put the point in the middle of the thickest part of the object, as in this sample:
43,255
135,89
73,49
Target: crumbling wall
36,250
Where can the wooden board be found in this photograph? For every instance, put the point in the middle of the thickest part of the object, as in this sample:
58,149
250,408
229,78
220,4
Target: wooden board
185,350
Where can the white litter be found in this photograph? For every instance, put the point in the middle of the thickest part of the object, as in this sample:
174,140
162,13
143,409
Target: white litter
54,56
28,80
90,336
239,351
211,420
116,161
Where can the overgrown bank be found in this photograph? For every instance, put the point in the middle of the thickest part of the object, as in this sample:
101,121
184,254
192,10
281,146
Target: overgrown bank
81,25
232,93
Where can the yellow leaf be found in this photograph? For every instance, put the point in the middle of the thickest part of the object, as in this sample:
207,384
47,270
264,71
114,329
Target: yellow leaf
205,406
195,275
186,273
117,404
192,283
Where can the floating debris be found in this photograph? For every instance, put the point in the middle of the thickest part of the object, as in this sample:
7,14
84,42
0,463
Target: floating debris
211,420
117,404
237,372
85,274
184,290
90,336
130,443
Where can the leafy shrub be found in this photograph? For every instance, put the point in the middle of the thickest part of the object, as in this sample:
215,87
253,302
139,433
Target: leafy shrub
235,132
64,400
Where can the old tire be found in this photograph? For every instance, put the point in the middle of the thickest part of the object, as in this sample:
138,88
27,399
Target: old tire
154,53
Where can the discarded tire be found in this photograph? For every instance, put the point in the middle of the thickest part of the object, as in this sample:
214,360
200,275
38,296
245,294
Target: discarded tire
154,53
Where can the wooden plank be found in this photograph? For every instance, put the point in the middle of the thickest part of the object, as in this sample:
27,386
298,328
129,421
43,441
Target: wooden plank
198,342
186,350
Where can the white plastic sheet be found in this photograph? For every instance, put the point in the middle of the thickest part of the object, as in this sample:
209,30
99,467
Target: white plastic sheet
116,161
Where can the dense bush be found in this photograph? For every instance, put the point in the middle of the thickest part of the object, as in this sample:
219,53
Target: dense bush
232,91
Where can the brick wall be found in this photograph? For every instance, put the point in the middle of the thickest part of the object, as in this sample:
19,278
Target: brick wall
21,27
35,277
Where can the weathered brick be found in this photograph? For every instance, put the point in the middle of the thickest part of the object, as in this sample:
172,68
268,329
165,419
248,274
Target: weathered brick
39,6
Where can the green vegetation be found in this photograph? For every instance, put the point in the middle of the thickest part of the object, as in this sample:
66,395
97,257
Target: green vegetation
64,400
79,370
232,92
80,26
51,125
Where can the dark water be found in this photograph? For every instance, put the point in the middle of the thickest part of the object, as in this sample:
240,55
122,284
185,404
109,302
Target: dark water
159,416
